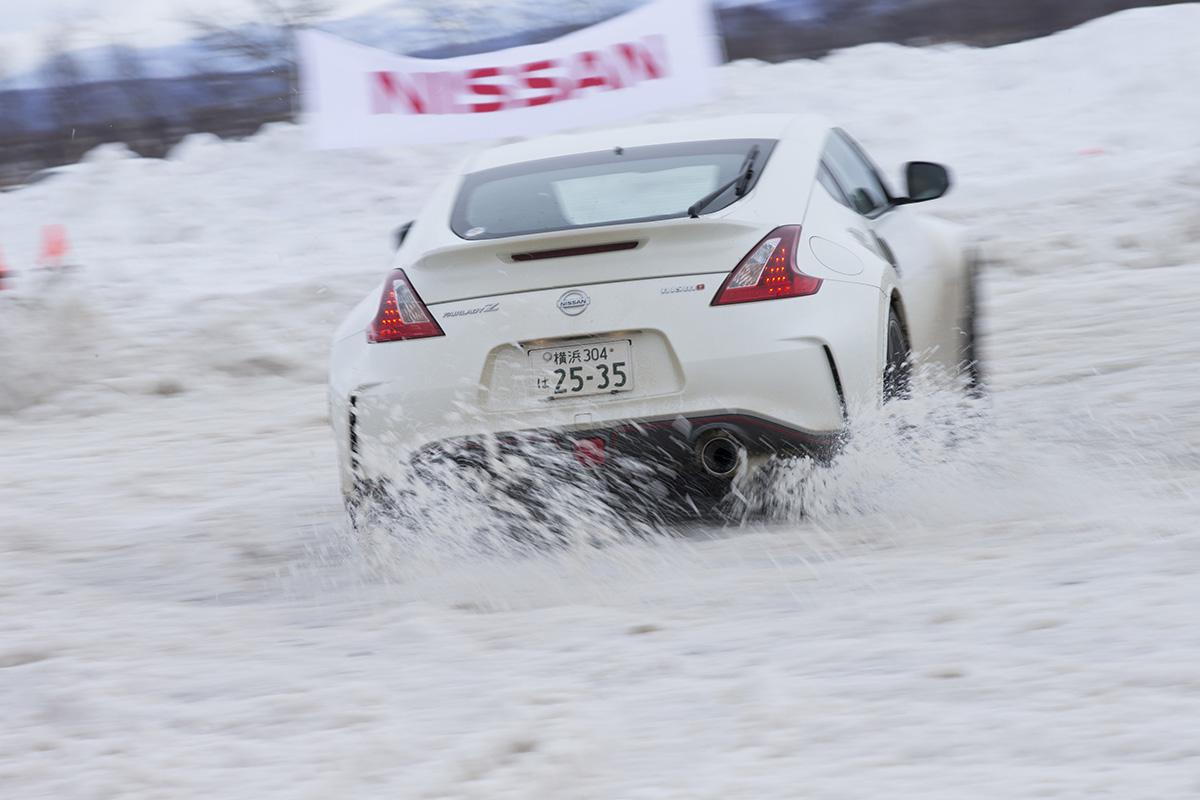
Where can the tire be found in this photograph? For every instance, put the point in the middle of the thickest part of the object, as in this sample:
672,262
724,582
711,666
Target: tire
970,364
897,372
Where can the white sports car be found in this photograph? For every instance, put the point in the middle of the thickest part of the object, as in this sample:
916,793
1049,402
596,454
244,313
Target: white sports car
687,295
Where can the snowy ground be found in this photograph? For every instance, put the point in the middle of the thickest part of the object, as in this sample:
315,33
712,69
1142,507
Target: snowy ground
1012,615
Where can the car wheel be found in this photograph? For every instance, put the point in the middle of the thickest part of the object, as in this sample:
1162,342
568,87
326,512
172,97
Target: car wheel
897,373
970,365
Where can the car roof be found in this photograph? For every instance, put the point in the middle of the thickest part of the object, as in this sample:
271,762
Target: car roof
736,126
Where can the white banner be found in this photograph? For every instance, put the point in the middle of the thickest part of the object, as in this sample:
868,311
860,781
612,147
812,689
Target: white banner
654,57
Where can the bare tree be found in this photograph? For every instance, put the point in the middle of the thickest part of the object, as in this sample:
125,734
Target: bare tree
461,21
578,12
64,77
134,80
144,113
7,99
464,21
268,40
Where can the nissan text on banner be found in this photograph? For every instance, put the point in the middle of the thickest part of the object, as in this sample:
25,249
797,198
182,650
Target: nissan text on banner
654,57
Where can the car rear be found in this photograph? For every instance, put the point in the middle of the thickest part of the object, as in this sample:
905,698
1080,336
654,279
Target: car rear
603,321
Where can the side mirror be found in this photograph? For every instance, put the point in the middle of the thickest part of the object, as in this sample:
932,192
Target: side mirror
925,181
400,234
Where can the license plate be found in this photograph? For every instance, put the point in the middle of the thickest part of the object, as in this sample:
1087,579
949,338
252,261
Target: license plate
582,369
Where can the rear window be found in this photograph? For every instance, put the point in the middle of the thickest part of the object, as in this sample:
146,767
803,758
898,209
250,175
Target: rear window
609,187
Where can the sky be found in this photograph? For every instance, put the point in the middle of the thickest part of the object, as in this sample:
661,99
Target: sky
25,24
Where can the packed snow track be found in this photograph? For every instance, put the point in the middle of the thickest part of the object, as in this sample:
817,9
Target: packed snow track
984,599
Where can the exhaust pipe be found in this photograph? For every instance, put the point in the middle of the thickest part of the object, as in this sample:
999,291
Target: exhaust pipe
721,455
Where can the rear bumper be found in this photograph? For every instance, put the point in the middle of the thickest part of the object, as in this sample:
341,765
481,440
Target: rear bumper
780,375
794,408
788,399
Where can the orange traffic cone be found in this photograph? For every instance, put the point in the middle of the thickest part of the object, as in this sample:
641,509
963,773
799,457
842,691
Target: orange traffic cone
3,273
54,246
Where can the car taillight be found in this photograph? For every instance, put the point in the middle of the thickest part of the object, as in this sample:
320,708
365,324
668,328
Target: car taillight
768,272
401,313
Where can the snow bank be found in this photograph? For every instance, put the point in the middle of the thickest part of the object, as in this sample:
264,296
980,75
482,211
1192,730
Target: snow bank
985,601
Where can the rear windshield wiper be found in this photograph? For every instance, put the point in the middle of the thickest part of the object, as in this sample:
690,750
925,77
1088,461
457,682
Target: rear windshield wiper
741,181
